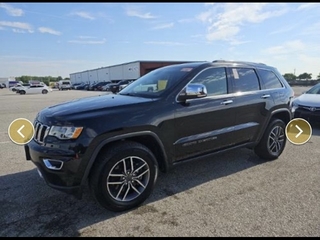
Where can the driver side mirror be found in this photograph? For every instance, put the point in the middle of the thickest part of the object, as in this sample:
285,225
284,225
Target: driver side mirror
192,91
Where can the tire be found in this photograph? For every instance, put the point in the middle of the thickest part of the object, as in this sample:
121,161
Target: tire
22,92
273,141
44,91
133,184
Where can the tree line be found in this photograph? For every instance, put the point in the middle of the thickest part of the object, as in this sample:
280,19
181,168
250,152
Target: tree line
290,77
303,76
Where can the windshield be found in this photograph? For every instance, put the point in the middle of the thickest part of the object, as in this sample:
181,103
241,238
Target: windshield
314,90
156,82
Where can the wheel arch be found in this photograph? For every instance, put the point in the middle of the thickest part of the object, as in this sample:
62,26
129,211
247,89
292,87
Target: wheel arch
147,138
282,113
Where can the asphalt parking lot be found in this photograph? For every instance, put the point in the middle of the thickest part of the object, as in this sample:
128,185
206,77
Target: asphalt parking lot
231,194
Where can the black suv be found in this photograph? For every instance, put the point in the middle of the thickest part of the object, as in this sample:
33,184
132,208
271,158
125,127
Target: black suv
115,87
119,142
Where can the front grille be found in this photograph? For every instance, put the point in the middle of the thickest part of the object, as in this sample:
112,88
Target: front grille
312,109
41,131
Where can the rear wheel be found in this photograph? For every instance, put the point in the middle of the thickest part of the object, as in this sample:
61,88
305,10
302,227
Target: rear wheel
123,176
22,92
273,141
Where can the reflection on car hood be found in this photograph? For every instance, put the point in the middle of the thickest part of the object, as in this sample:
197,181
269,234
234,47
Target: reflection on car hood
92,104
312,100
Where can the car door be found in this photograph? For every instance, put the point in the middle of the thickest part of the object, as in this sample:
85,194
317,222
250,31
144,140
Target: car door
31,89
206,124
251,102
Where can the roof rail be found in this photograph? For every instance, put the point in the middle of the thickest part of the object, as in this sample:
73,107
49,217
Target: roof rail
236,61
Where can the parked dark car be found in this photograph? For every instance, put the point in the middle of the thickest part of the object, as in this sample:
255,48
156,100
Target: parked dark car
97,86
74,85
114,88
307,105
117,143
82,86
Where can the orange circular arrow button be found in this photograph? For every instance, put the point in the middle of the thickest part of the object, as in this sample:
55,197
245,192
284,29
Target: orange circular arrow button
21,131
298,131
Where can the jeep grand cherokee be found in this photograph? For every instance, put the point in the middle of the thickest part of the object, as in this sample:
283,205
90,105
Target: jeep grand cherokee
117,143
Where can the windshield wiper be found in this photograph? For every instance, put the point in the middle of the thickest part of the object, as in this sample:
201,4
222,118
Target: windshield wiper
128,94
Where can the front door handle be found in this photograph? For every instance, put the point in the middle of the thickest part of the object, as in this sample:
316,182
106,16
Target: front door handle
265,96
226,102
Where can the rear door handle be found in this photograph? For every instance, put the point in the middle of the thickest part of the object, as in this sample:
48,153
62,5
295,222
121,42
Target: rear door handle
265,96
226,102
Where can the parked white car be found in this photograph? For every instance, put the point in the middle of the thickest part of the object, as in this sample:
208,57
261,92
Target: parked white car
64,84
18,85
35,88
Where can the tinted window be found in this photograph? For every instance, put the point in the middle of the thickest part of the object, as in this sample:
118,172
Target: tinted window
214,79
245,79
269,79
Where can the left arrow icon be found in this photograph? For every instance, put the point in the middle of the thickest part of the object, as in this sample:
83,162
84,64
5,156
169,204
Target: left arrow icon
19,131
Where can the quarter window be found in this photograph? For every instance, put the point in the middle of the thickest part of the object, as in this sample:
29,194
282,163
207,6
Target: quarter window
245,80
269,79
214,79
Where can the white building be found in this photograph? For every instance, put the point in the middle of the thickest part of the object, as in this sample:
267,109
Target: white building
124,71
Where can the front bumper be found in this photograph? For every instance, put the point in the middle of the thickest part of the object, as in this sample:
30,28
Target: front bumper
313,117
61,169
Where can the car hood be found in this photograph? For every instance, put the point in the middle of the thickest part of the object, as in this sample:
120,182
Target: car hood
312,100
92,104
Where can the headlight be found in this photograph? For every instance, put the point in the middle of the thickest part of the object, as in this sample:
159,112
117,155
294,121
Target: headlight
65,132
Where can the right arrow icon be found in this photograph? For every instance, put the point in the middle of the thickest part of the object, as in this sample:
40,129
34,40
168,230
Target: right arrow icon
300,131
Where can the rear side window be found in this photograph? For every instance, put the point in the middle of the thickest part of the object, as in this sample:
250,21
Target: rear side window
245,80
269,79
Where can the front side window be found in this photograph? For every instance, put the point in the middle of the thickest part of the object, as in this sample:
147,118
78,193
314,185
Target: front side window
245,80
214,79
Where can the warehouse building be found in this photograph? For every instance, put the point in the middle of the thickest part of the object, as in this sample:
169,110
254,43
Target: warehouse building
115,73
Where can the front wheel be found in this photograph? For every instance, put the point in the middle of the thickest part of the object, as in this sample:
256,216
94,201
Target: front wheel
123,176
273,141
44,91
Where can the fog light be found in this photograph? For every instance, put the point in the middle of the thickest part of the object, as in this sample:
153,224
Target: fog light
53,164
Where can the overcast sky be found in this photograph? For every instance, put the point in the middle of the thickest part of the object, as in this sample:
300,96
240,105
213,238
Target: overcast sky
56,39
